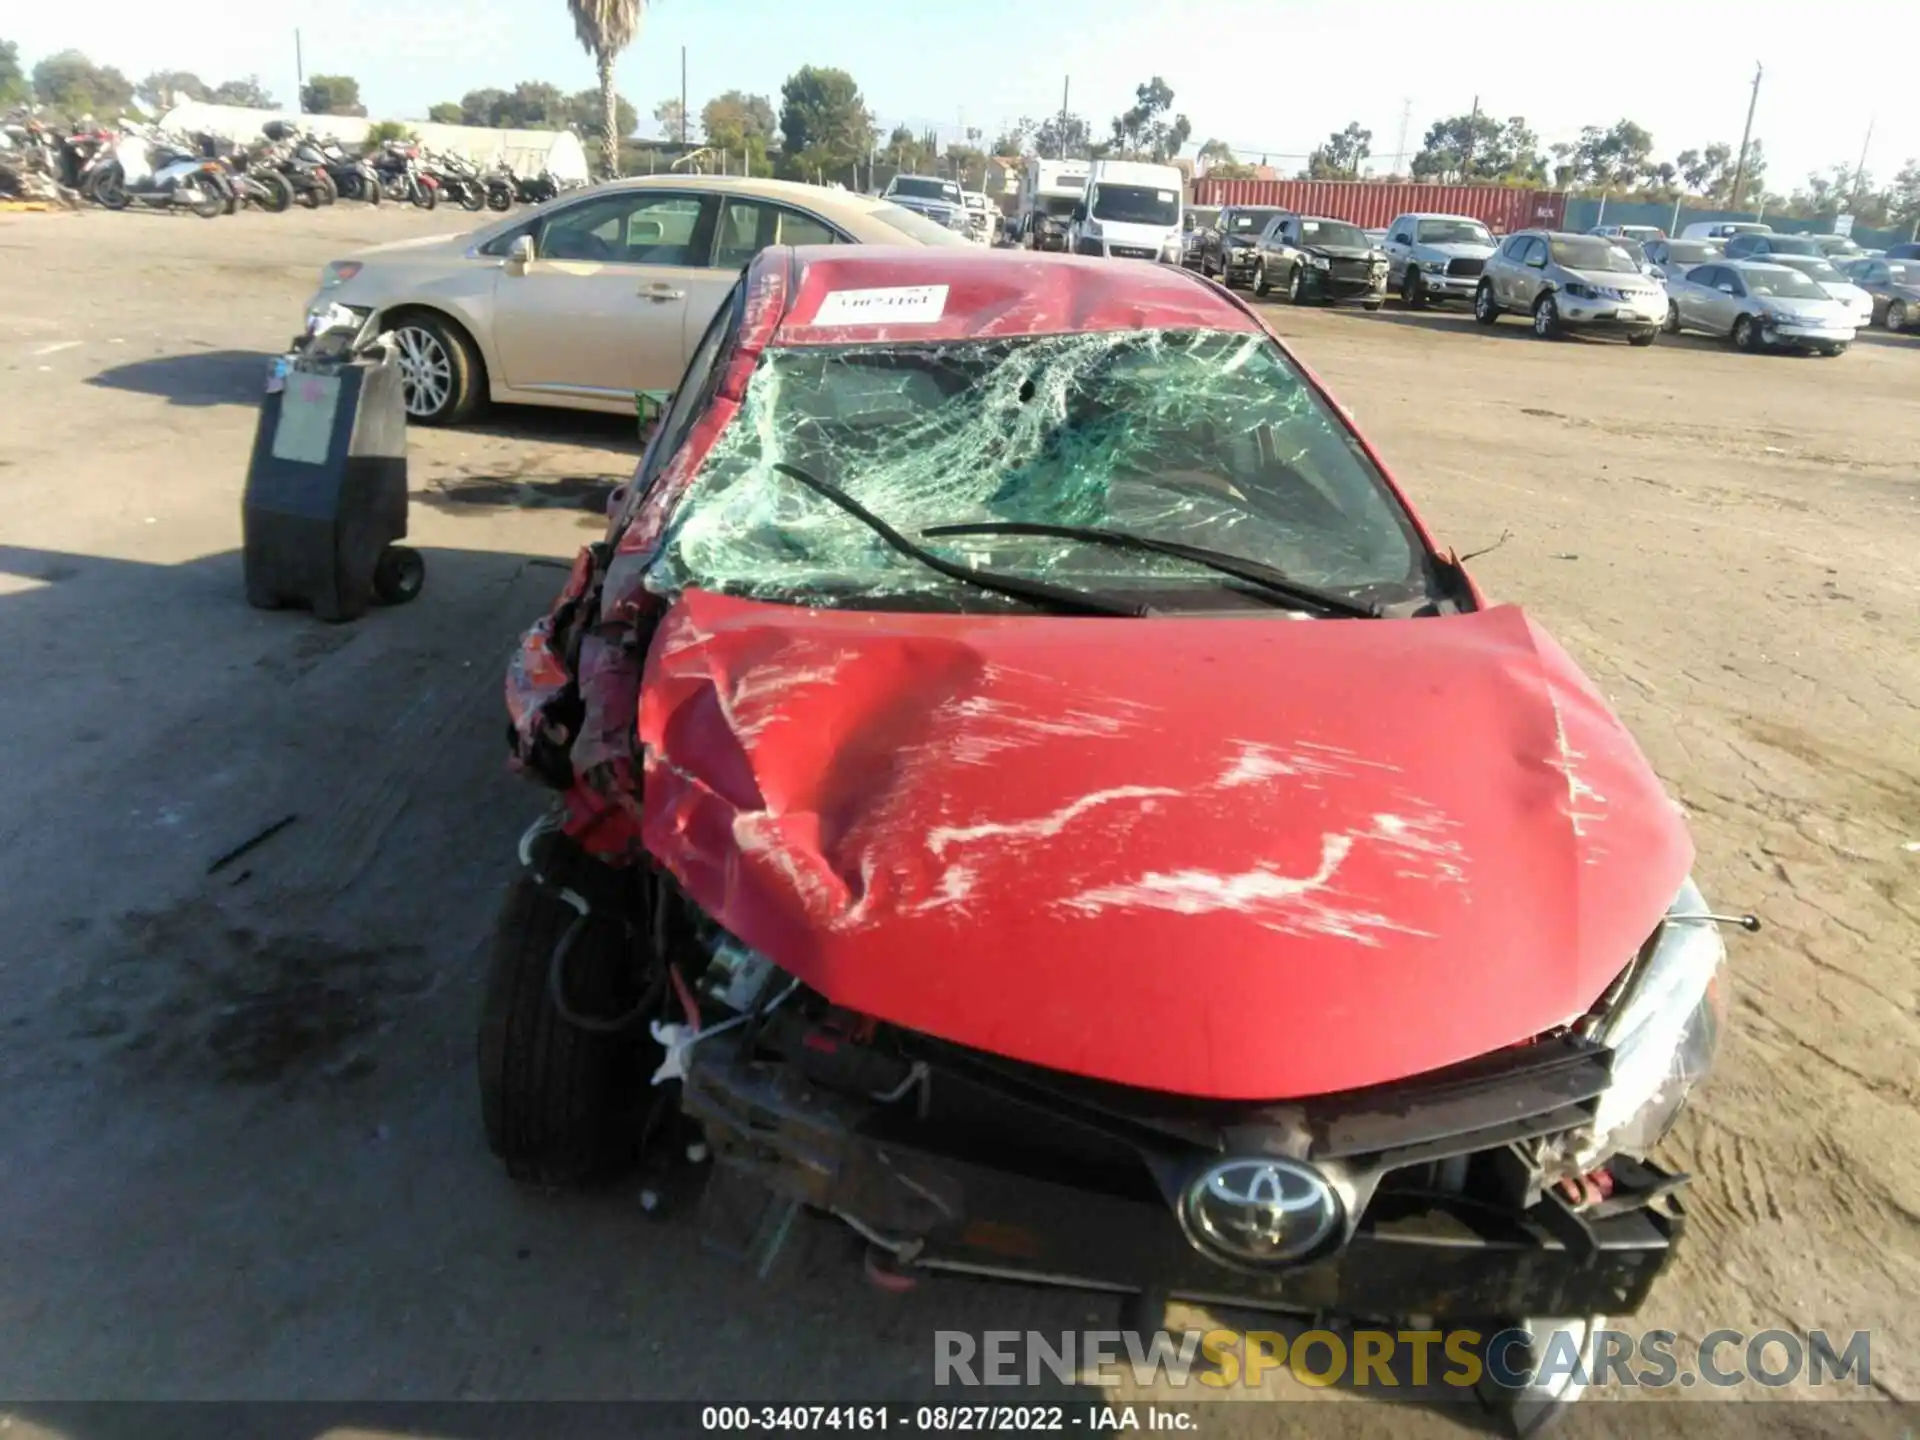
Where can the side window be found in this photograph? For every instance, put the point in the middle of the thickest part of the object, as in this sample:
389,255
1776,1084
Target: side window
1878,274
697,384
1703,275
1536,251
1516,248
1402,233
748,226
630,227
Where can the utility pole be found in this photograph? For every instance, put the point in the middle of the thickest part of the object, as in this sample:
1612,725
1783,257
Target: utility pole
1400,154
683,97
299,73
1860,170
1466,158
1066,87
1746,135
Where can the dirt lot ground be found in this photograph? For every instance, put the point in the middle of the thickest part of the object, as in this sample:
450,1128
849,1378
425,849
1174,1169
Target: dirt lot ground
240,1154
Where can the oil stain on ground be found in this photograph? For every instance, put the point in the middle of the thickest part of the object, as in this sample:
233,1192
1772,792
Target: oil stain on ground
191,993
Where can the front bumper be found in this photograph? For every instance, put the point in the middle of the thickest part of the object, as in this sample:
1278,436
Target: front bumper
1805,334
1609,316
1344,289
1033,1215
1441,286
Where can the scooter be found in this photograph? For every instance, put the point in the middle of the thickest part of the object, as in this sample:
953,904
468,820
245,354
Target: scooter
150,170
459,180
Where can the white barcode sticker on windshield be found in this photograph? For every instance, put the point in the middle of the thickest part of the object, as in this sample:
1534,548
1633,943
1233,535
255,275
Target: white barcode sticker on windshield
896,305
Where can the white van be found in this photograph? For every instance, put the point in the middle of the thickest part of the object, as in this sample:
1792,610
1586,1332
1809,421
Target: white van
1721,229
1131,212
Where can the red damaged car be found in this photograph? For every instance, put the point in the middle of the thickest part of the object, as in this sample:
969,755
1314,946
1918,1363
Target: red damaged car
1031,788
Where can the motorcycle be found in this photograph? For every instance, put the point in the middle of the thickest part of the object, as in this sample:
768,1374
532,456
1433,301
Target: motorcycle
401,176
245,183
353,177
151,169
295,155
498,183
459,180
30,160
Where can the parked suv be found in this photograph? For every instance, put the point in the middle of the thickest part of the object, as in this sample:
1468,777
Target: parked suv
1436,257
939,200
1227,248
1313,258
1571,282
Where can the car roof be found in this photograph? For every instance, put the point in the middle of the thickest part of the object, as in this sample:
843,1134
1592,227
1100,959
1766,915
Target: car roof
939,293
1760,264
822,198
1439,215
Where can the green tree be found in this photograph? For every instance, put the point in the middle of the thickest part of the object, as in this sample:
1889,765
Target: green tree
331,95
380,134
1059,136
1220,163
671,116
1474,147
825,121
741,125
72,83
1150,130
605,28
13,80
584,110
482,107
1341,157
447,112
248,92
1616,158
534,105
165,88
1903,197
1011,144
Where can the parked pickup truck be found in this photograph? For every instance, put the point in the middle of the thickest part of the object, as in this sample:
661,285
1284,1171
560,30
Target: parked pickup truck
1436,257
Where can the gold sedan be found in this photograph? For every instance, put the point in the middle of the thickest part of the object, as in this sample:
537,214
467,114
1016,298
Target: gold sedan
592,296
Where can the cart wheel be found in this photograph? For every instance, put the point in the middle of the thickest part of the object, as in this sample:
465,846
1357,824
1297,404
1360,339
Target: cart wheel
399,575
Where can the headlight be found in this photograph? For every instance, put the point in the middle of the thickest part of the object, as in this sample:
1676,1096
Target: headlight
338,272
1379,268
1581,291
1435,266
1321,262
1663,1031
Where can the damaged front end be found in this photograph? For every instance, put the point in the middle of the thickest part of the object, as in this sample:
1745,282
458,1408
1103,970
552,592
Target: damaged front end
1450,1194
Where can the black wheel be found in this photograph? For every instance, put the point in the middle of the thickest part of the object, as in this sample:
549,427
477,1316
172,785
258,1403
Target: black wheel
109,186
441,377
1297,285
1485,309
399,575
1546,319
370,191
323,183
1896,315
1643,337
1672,325
561,1103
472,197
1225,277
310,195
1829,351
206,202
426,196
499,196
278,195
1373,306
1260,278
1746,335
1413,289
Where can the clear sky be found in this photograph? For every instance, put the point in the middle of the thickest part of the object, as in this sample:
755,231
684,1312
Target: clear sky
1272,76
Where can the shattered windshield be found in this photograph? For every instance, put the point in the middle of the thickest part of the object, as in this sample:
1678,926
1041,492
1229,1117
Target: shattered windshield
1206,438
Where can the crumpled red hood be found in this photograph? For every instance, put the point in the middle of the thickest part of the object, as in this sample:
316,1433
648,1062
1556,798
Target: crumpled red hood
1236,858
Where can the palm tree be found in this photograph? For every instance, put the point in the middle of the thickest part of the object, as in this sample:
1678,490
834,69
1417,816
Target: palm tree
605,28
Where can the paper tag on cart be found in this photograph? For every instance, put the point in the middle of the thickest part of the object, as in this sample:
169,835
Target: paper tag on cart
894,305
305,431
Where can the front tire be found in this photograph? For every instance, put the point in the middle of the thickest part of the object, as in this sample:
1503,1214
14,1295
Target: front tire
1672,322
1530,1407
499,197
1546,319
110,186
472,198
399,575
1413,288
1485,309
439,370
278,196
207,203
1297,286
425,196
1746,335
1260,279
1643,337
556,1099
1896,316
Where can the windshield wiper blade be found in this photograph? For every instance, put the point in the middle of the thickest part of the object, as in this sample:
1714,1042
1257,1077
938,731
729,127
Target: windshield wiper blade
1252,571
1034,592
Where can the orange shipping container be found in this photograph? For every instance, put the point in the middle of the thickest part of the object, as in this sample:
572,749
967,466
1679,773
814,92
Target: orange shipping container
1373,204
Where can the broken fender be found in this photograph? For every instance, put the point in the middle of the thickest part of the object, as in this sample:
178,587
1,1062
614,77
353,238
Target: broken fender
1238,859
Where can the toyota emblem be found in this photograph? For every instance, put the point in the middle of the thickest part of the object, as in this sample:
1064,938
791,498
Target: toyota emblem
1264,1211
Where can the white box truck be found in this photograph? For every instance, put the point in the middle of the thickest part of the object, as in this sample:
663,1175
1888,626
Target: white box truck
1131,212
1050,191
